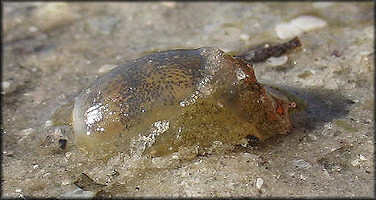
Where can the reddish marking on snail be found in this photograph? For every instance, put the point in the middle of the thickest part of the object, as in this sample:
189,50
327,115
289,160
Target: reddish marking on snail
279,110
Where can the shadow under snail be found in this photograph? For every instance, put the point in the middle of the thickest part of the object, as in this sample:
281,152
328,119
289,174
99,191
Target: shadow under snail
181,98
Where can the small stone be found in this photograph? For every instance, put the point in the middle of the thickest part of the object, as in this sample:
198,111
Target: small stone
337,168
337,53
106,68
259,183
18,190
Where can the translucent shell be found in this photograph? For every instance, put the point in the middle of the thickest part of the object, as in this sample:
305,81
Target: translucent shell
170,100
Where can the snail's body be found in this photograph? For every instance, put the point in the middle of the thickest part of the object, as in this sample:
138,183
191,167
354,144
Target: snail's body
177,99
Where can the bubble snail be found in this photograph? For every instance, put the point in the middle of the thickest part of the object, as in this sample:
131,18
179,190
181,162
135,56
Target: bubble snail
181,98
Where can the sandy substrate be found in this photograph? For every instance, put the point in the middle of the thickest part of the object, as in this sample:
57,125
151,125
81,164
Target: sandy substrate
51,51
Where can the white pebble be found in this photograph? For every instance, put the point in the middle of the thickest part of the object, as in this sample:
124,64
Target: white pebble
244,36
106,68
298,25
276,61
259,183
18,190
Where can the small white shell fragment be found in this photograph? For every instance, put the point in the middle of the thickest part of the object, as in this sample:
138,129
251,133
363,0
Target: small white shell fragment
361,157
359,160
259,183
106,68
276,61
298,25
